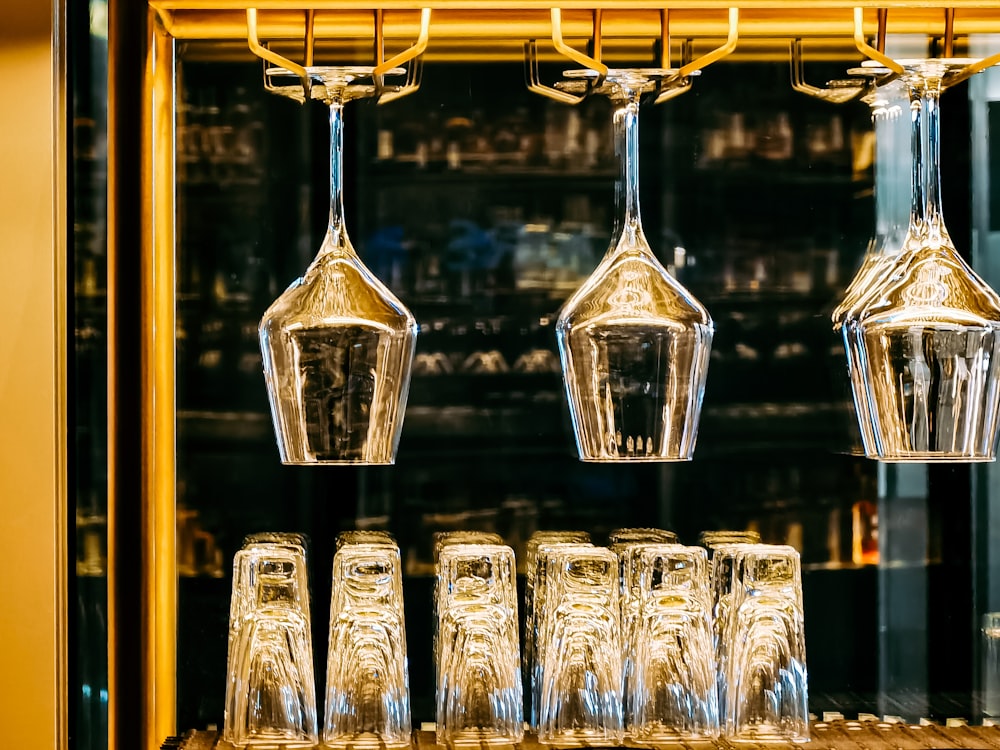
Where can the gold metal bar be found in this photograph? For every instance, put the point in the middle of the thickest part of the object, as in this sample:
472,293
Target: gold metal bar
533,80
677,84
253,40
673,91
680,82
949,32
596,37
973,68
310,43
160,524
379,35
408,54
665,38
585,60
866,49
719,52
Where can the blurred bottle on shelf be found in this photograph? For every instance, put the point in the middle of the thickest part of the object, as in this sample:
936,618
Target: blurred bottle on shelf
775,142
864,533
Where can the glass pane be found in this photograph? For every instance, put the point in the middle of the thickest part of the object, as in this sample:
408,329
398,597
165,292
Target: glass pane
482,207
88,177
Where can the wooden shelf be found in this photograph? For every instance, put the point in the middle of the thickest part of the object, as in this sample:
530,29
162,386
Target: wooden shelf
826,735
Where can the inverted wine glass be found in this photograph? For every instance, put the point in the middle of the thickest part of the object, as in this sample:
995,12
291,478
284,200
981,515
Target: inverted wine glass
633,342
927,335
337,344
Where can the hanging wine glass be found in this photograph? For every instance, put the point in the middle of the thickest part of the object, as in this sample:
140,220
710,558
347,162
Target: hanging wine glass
926,337
633,342
891,188
337,344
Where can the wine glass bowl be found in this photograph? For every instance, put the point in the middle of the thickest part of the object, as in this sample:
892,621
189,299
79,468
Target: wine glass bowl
633,342
926,336
337,345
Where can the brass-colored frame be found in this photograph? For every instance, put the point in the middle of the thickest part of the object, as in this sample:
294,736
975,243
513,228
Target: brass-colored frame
159,285
142,665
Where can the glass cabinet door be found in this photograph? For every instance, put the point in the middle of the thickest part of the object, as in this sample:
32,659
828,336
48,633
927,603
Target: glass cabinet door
482,206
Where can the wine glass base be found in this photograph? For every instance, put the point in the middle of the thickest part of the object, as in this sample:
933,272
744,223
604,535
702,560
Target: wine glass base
943,68
935,459
339,462
638,80
637,460
346,82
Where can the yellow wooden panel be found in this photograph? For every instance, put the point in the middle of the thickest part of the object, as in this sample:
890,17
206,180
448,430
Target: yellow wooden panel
33,436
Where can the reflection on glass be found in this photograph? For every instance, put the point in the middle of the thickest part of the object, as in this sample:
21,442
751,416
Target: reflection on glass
926,339
991,667
337,344
634,343
891,192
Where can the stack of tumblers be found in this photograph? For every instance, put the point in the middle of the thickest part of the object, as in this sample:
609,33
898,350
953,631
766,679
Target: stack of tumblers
645,639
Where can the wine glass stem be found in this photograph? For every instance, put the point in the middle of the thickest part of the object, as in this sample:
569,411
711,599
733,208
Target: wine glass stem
336,168
925,113
626,126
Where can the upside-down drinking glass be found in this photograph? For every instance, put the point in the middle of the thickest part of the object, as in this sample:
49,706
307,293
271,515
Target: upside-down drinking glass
619,538
363,536
726,577
712,539
536,566
579,648
479,699
766,695
442,539
927,336
247,566
670,690
337,344
367,679
634,343
627,544
270,690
